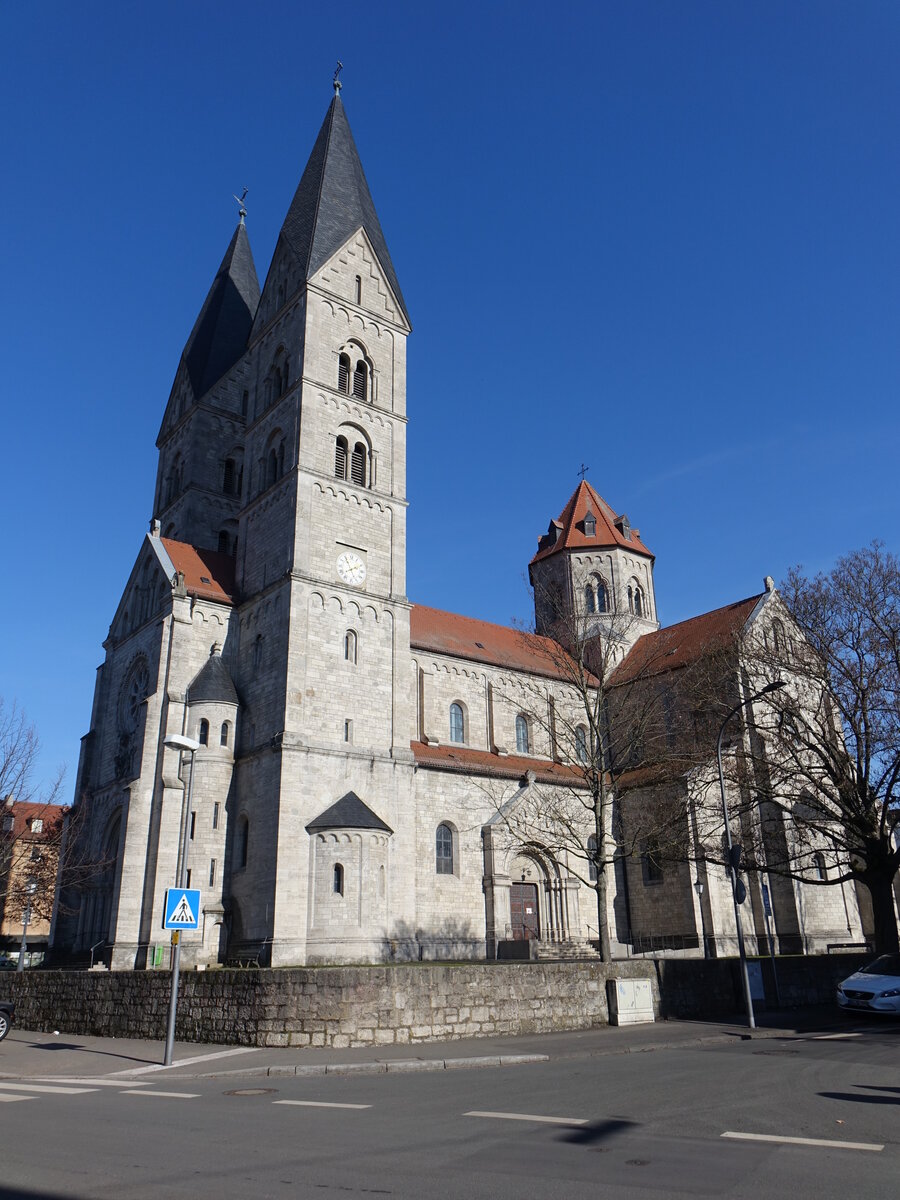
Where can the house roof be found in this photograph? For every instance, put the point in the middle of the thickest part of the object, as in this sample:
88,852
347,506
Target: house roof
467,761
24,812
333,201
481,641
348,813
568,531
219,336
213,683
678,645
207,573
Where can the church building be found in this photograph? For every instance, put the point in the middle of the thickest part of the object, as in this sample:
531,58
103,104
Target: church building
356,752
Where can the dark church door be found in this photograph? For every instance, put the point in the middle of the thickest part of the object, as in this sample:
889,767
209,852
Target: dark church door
523,907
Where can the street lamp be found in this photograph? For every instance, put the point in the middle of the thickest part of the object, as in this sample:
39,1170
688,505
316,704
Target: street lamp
177,741
698,888
748,999
30,888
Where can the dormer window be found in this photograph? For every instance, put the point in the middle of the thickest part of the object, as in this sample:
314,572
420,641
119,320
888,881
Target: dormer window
590,525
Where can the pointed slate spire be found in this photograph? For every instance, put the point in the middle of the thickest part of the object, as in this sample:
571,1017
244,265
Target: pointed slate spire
220,333
333,200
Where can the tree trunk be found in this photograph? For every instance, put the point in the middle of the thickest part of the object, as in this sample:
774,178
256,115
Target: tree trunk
881,889
602,917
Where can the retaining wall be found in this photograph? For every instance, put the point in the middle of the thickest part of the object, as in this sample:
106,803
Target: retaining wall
380,1005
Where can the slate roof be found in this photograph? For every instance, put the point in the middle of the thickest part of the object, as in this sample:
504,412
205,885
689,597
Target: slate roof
207,573
348,813
213,684
220,333
569,527
678,645
333,200
481,641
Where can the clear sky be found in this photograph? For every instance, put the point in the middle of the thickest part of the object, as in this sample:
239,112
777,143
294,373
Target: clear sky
658,238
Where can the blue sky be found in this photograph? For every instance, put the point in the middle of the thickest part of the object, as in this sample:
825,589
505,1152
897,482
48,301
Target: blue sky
657,238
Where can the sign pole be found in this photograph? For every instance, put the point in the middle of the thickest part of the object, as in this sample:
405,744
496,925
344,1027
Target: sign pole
176,939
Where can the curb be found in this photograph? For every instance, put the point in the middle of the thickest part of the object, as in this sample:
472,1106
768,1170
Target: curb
405,1065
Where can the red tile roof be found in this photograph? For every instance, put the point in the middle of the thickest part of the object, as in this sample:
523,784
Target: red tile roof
677,645
24,811
207,573
481,641
467,761
570,527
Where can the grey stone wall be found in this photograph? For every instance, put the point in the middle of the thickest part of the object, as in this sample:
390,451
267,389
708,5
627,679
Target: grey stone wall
359,1006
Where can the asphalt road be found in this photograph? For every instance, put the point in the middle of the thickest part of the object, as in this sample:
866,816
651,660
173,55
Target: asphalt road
631,1125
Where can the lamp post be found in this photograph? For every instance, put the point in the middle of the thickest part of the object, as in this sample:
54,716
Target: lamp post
177,741
30,888
698,888
748,999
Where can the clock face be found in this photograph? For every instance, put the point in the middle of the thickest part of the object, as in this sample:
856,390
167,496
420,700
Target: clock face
351,568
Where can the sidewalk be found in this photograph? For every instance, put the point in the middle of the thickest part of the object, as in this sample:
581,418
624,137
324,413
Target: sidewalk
27,1055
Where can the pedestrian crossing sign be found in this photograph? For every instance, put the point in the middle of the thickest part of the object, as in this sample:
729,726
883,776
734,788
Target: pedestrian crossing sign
182,908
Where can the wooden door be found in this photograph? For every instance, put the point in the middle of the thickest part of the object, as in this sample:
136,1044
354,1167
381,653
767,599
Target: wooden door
523,907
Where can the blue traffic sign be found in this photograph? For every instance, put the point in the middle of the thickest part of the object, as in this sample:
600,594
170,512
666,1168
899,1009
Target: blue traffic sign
182,908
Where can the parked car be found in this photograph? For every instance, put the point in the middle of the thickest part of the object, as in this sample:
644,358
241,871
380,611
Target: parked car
873,988
7,1012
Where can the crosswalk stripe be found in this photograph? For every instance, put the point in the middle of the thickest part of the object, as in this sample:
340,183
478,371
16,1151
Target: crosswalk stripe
43,1087
170,1095
10,1099
799,1141
88,1081
319,1104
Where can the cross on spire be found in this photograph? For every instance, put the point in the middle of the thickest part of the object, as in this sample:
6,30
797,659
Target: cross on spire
582,471
336,83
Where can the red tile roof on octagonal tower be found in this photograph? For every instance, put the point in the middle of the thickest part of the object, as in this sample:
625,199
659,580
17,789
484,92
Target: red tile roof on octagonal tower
207,573
481,641
677,645
611,528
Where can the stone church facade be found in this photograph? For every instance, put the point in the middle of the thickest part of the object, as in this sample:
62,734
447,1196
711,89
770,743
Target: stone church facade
356,751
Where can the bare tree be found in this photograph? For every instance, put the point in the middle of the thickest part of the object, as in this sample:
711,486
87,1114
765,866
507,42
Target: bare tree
607,730
825,753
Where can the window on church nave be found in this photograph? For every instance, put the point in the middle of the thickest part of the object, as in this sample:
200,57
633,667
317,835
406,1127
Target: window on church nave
581,744
593,874
651,861
523,740
443,850
457,723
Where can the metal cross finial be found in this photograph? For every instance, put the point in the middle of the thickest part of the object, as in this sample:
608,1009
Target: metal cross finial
582,471
240,199
336,83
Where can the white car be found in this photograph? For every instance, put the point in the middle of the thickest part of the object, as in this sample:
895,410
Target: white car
874,988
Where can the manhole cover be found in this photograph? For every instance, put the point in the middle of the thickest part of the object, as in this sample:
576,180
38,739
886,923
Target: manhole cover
251,1092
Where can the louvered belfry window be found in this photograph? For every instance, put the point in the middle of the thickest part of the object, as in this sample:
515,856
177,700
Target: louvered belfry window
340,458
343,373
359,380
358,465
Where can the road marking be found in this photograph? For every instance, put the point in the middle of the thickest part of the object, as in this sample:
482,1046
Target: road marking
10,1099
833,1037
798,1141
170,1095
77,1080
319,1104
507,1116
43,1087
184,1062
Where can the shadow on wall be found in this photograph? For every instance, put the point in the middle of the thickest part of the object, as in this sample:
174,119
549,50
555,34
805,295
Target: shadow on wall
451,940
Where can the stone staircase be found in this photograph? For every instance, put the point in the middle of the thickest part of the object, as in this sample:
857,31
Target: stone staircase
571,950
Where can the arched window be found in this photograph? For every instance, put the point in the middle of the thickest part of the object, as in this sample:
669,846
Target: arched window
360,380
350,646
443,850
229,478
593,874
271,468
778,636
820,868
279,373
281,458
636,602
523,741
337,885
223,543
203,735
258,651
340,458
358,465
457,723
602,597
344,373
590,600
651,861
581,744
359,289
242,843
223,734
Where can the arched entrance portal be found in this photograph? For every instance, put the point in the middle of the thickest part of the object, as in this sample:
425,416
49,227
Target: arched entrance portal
537,902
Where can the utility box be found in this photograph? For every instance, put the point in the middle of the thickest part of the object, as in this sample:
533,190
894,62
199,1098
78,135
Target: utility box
630,1001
